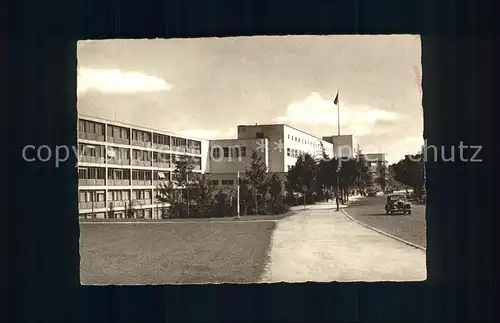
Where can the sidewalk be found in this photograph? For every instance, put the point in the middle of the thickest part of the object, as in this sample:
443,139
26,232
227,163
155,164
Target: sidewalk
322,245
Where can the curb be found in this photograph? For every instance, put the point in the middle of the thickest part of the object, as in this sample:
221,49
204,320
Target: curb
382,232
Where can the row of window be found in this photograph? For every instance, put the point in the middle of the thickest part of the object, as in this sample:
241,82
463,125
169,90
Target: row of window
96,128
226,182
294,152
113,195
301,140
234,152
121,174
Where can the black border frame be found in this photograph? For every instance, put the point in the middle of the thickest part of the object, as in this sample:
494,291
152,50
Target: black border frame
43,233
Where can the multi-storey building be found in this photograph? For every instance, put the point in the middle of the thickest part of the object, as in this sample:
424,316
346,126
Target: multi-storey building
345,146
279,145
375,161
120,165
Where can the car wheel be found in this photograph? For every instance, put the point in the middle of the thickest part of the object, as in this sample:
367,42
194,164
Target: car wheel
409,212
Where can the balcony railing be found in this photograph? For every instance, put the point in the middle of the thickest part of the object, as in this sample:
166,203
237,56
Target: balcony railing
91,159
118,182
119,161
88,205
138,143
141,202
117,203
90,136
141,182
159,181
120,141
194,150
161,165
161,147
91,182
181,149
145,163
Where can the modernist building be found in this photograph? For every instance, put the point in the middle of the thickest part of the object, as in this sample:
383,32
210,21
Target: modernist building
120,165
346,146
279,145
375,160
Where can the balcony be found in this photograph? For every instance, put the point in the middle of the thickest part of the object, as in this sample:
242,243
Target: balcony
118,182
194,151
161,165
118,161
141,202
120,141
181,149
94,160
145,163
146,144
158,182
141,182
116,203
161,147
90,136
91,182
91,205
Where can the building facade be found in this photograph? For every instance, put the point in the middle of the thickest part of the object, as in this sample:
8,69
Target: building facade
345,146
120,165
375,161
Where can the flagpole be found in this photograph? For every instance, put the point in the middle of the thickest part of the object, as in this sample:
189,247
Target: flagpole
337,99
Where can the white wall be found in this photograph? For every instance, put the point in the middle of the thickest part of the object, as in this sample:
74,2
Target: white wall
299,142
233,164
275,135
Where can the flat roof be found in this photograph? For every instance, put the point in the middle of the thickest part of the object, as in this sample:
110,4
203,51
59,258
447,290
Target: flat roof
142,128
284,125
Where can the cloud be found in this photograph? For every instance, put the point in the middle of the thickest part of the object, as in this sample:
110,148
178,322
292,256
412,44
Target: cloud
116,81
354,119
408,145
210,133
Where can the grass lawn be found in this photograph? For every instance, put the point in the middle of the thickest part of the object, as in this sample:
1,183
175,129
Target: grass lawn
173,253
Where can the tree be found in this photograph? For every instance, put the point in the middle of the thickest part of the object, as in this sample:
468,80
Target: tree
363,178
410,172
177,192
203,194
111,212
256,174
382,176
275,190
246,196
302,176
348,177
130,210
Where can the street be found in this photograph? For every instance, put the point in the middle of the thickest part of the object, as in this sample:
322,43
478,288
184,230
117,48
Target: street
322,245
371,211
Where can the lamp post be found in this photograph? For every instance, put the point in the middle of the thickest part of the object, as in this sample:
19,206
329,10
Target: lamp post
238,196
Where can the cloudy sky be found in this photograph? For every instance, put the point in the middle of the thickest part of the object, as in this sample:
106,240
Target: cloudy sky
206,87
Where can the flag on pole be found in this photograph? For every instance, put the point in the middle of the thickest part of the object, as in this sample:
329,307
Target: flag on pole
336,101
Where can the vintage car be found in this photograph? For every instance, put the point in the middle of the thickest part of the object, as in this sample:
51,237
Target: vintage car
397,203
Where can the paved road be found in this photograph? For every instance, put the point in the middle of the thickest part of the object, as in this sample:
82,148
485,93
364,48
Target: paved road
321,245
371,211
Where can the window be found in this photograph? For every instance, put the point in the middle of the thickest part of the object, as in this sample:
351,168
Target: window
89,127
226,152
227,182
82,173
100,196
81,126
147,195
243,151
288,152
259,135
124,133
216,152
98,129
82,197
236,152
118,174
214,182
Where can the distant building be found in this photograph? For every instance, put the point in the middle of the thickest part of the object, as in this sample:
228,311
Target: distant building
346,146
375,161
279,145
